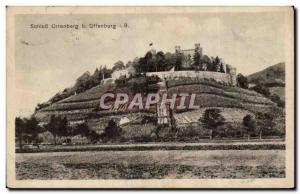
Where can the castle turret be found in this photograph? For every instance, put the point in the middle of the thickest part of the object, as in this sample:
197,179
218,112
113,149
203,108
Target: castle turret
153,51
197,47
232,72
222,62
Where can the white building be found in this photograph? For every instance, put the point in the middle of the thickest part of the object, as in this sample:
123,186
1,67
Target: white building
123,72
119,73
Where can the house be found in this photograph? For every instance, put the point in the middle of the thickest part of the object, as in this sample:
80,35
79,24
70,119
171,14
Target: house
123,72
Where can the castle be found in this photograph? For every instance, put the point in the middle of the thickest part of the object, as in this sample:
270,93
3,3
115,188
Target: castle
226,75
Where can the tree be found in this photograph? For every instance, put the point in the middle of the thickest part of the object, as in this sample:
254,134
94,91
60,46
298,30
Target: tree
259,88
149,62
206,63
112,131
19,127
82,83
275,98
242,81
205,59
32,129
57,127
51,127
170,60
178,61
212,119
82,129
160,61
222,69
250,123
64,126
211,64
216,64
265,122
197,60
28,129
118,65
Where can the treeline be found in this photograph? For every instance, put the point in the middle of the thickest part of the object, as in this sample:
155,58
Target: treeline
212,123
160,61
252,125
28,130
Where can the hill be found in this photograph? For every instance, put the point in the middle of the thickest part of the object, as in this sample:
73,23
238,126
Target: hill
84,107
273,78
141,125
274,74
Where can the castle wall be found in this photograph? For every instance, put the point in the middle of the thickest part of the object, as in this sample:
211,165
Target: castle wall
222,77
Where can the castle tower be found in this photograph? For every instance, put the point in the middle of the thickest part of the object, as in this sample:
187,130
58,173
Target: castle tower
153,51
232,73
233,76
222,62
197,47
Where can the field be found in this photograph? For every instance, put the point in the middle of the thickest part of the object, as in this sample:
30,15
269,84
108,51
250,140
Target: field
156,164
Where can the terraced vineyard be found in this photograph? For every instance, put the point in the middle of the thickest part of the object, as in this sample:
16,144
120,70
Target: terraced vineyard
234,102
75,107
225,97
230,115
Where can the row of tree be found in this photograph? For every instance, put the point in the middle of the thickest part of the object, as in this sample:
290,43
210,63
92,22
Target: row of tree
27,130
252,125
160,61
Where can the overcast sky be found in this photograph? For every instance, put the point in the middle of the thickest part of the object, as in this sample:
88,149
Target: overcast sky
47,61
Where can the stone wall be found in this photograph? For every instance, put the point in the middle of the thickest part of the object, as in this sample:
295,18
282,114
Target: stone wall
218,76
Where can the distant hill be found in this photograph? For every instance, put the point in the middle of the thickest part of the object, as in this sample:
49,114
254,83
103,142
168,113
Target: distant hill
272,75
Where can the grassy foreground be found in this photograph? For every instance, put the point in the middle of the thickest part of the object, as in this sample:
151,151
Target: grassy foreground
152,164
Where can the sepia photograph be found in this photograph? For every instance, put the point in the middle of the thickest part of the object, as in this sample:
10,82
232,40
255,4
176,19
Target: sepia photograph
150,97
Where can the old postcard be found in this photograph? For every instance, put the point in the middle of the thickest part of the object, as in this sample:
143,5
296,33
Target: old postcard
150,97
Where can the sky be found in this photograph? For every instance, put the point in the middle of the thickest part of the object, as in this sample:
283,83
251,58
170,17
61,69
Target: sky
49,60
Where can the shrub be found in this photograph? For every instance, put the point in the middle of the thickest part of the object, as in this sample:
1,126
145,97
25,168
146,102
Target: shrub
261,89
250,124
112,131
275,98
242,81
212,119
229,130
